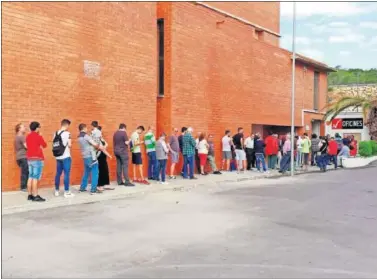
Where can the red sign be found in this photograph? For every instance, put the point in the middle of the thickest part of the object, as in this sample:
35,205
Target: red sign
337,123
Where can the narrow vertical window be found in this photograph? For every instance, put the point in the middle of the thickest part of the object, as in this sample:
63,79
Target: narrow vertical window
316,91
160,27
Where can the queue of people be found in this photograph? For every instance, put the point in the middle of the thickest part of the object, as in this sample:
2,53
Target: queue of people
240,153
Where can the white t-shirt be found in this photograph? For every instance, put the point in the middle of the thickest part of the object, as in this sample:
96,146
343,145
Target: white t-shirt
65,137
202,147
249,143
226,143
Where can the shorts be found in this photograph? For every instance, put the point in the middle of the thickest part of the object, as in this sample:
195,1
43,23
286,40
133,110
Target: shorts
136,159
227,155
174,157
306,158
203,159
35,169
240,155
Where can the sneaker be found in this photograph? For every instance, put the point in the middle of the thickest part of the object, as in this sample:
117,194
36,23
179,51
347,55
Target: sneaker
129,184
144,182
164,183
38,198
172,177
93,193
68,194
24,190
266,172
83,190
56,194
30,197
193,177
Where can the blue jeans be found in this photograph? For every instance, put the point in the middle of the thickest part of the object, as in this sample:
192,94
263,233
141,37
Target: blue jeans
188,161
285,162
152,165
63,165
333,158
298,158
162,169
93,169
322,161
260,159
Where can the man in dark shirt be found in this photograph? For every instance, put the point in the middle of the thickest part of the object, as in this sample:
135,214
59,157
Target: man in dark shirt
120,143
180,141
240,152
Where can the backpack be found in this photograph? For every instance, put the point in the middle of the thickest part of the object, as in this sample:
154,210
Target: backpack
58,147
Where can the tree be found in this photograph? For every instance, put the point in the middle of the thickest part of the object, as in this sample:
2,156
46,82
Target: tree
368,105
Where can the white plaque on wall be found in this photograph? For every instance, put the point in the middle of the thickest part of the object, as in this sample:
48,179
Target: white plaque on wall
91,69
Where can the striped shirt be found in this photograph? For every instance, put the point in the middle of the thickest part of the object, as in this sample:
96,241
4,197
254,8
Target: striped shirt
150,142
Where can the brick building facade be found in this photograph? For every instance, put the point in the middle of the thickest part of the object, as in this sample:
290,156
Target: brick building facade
213,66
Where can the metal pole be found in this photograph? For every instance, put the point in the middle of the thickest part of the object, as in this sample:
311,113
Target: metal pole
293,90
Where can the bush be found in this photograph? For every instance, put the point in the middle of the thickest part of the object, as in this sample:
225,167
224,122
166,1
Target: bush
373,144
365,148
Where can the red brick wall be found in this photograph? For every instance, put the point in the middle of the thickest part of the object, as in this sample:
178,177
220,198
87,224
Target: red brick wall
44,45
225,78
265,14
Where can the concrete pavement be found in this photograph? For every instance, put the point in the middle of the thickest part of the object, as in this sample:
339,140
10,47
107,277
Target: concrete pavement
13,202
319,225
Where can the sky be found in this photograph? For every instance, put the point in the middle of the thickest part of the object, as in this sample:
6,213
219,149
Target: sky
336,33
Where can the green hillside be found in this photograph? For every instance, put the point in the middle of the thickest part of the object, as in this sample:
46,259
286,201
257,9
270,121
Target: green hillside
352,76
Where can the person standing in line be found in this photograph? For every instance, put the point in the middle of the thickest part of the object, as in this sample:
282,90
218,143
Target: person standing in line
87,147
240,152
280,150
211,155
314,149
344,153
353,146
197,159
180,140
174,149
162,151
322,159
61,148
20,148
120,144
250,153
306,144
136,155
203,152
259,146
150,146
286,159
272,148
104,177
188,153
339,142
333,152
299,152
35,158
227,150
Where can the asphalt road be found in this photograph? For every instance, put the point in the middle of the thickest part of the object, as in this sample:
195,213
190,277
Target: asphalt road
312,226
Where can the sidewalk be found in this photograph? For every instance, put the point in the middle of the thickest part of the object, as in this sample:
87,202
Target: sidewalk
14,202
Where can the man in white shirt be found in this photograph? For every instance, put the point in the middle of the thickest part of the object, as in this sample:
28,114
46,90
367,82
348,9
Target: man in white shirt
250,153
227,151
62,148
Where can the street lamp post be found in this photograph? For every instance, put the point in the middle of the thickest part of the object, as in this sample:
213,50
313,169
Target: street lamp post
293,90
